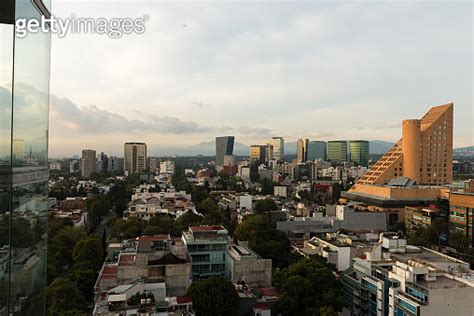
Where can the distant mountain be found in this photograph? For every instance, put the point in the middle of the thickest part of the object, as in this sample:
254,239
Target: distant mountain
379,146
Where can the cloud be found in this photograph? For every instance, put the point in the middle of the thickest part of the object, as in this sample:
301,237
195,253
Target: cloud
94,120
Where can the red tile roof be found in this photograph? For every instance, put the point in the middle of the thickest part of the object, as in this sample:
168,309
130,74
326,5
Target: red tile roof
269,291
109,272
183,299
127,260
261,306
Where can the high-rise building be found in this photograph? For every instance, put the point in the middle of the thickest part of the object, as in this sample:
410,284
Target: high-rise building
88,163
224,146
155,165
359,152
103,163
424,154
302,150
317,150
257,154
114,164
135,155
24,86
337,150
278,144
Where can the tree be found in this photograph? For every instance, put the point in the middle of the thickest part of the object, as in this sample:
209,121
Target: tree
214,296
267,241
88,252
64,298
307,288
266,205
60,249
458,241
132,227
208,206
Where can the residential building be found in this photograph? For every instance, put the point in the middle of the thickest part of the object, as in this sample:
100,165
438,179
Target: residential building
302,150
135,156
154,165
424,154
55,165
317,150
24,78
359,152
399,279
461,213
88,163
207,247
278,144
167,167
337,151
416,217
280,190
73,166
224,146
243,264
229,160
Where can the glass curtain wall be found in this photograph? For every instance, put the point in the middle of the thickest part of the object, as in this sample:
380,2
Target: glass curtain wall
24,106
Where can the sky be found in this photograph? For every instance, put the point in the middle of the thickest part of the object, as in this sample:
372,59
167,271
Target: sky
321,70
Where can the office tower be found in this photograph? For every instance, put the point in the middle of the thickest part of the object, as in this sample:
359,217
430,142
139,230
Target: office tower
257,154
359,152
88,163
424,154
302,150
103,163
269,152
135,157
24,86
278,144
317,150
224,146
337,151
114,164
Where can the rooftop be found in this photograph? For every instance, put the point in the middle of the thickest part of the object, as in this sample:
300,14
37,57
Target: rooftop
204,228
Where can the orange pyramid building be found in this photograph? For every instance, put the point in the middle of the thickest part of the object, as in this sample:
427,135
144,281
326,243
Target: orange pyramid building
424,154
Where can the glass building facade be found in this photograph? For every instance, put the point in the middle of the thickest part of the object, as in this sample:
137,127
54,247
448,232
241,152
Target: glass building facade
359,152
337,150
317,150
24,106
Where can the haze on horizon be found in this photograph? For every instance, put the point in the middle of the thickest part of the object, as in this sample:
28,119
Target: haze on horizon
255,70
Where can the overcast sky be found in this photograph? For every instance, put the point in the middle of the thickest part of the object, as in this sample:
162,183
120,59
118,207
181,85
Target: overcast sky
322,70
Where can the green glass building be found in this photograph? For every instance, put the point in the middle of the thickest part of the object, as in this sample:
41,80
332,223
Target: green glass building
359,152
24,106
317,150
337,150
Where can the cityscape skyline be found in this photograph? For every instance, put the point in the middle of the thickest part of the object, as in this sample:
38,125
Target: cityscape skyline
211,79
